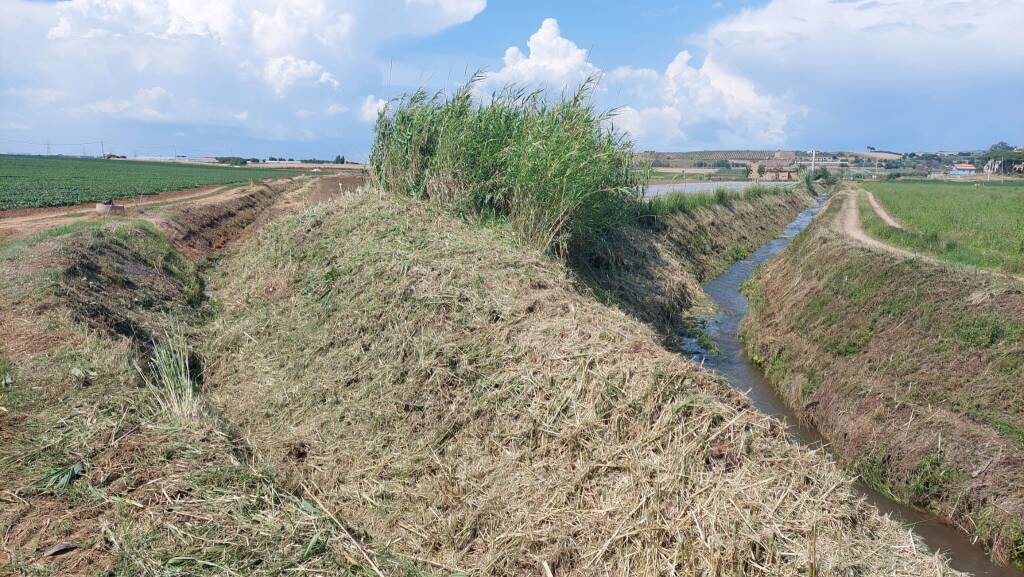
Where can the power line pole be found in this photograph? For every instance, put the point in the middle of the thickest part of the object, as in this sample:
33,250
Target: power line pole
47,147
102,152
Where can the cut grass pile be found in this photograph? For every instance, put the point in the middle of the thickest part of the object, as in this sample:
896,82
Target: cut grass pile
111,465
458,398
977,224
552,170
37,181
913,370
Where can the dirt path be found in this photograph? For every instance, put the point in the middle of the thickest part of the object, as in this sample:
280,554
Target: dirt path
849,223
26,222
881,212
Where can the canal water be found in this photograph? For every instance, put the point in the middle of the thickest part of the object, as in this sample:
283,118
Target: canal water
731,362
704,187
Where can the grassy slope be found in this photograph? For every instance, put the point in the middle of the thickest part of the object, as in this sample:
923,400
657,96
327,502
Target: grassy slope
460,399
654,271
980,226
912,370
29,181
89,457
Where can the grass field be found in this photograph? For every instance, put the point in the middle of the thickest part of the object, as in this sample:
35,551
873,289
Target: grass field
37,181
981,226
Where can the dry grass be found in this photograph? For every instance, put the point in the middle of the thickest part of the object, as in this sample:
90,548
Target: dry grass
462,402
97,476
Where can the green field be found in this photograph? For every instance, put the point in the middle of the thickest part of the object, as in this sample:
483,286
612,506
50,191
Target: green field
36,181
981,226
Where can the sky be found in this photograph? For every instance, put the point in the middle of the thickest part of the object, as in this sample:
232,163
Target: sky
306,78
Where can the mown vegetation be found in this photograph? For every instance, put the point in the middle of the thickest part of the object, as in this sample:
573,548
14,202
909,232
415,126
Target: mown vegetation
37,181
981,226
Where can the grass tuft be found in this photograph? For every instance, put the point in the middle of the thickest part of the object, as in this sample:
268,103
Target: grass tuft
172,378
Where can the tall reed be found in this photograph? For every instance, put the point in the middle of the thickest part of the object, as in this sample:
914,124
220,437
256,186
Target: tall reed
556,171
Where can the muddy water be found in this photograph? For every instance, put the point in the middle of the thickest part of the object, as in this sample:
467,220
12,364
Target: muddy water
732,362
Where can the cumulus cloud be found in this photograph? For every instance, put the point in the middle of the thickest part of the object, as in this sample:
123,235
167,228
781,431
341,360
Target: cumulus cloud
337,109
841,60
551,60
726,108
283,72
371,107
718,104
268,57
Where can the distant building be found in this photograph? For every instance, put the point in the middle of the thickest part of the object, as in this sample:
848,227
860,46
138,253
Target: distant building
963,169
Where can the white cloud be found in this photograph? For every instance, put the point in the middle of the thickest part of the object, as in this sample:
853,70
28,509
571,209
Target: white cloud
371,107
552,60
283,72
89,50
337,109
726,108
329,79
241,116
144,105
684,105
871,37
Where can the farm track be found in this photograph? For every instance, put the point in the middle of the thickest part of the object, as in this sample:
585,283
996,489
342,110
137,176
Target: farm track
849,223
21,223
881,212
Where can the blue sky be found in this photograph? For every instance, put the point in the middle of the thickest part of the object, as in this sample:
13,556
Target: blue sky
305,77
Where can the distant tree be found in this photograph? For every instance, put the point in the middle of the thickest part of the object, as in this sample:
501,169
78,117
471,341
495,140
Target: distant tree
339,159
291,160
761,170
1000,146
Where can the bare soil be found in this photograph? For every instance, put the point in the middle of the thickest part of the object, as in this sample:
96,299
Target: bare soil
882,213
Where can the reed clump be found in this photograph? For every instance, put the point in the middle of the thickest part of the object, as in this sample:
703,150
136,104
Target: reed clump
555,170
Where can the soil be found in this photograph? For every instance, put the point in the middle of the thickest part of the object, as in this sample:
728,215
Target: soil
22,223
882,213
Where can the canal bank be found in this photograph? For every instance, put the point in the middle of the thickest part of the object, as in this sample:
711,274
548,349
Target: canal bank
730,360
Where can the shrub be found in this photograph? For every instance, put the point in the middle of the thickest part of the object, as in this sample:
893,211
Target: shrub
557,172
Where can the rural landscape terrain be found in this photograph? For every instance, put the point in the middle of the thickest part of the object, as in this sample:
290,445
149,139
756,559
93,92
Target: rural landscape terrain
546,320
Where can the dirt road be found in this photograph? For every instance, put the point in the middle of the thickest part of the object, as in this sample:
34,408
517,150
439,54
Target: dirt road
849,223
881,212
22,223
26,222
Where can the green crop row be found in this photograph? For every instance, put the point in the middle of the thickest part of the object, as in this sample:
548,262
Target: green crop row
38,181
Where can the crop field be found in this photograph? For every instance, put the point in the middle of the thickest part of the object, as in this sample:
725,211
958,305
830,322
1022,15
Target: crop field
36,181
981,226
